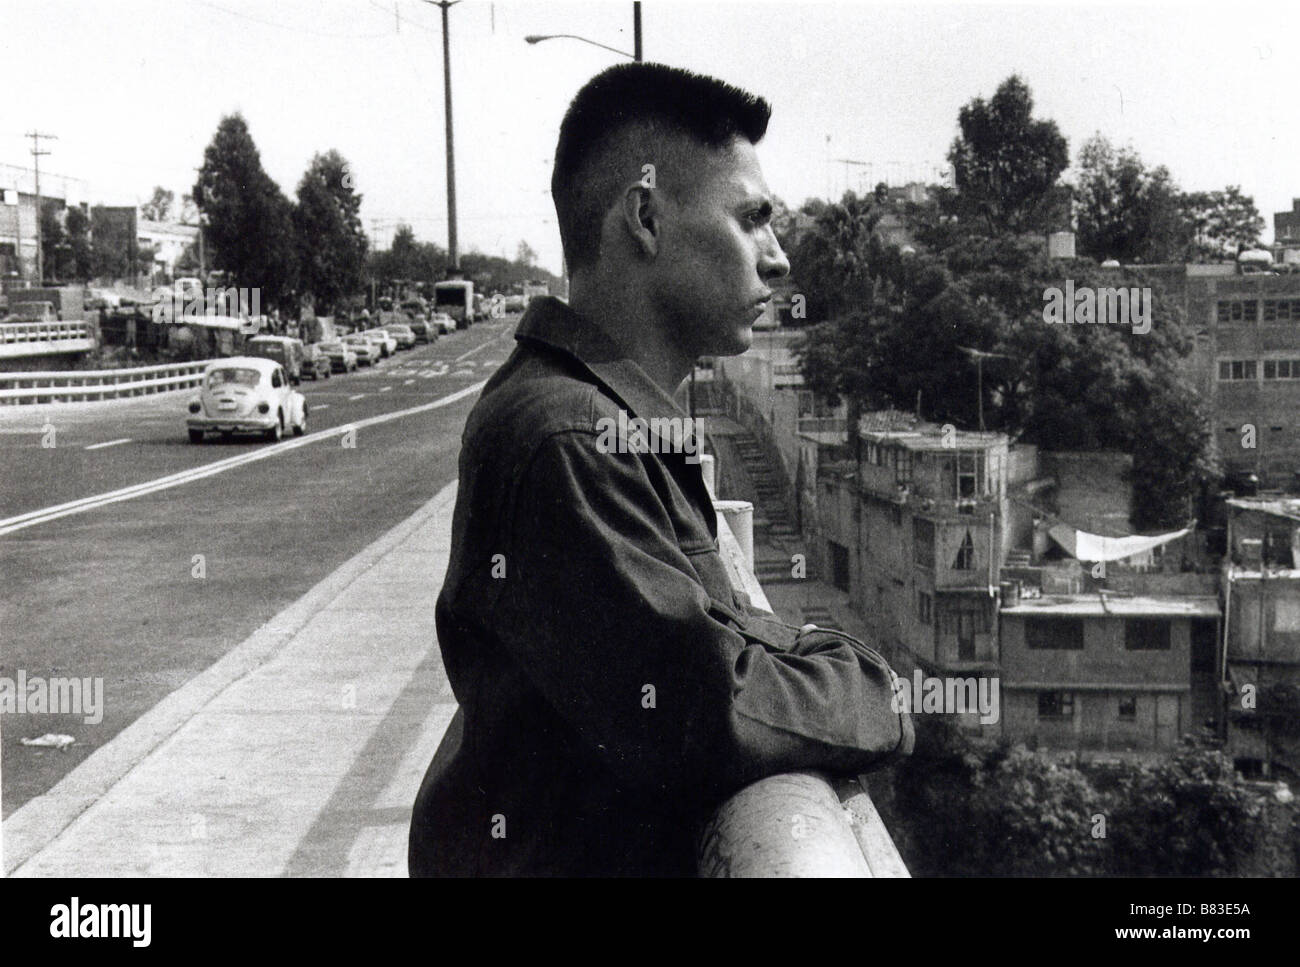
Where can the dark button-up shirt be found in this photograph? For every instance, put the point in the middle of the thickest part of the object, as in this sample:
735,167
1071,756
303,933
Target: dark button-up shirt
613,688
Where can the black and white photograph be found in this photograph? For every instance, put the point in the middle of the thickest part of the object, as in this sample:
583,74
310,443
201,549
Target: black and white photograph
650,440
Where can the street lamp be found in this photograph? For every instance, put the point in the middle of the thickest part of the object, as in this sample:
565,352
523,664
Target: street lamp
538,38
636,37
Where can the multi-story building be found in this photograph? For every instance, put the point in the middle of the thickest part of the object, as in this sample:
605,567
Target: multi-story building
971,557
18,216
1262,656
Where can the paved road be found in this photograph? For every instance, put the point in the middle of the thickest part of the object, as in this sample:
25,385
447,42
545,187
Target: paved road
149,590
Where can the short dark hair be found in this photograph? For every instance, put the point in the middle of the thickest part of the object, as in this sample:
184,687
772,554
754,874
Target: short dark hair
661,100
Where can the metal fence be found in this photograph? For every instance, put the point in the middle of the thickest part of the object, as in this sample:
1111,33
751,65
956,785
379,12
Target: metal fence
73,386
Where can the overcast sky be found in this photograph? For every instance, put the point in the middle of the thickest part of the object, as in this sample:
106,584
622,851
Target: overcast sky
134,90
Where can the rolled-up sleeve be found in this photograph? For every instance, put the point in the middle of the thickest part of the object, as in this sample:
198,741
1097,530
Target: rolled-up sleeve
605,614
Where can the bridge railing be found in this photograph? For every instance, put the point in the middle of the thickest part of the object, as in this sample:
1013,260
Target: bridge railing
38,338
798,823
71,386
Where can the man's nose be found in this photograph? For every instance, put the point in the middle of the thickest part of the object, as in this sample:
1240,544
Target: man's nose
772,263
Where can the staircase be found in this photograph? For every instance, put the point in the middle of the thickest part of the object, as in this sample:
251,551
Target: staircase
771,518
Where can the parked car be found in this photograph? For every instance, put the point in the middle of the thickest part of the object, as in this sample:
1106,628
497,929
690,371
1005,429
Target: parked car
387,342
246,394
444,322
342,358
315,363
368,352
424,330
403,333
286,351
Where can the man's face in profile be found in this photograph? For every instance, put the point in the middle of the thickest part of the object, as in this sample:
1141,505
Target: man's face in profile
718,253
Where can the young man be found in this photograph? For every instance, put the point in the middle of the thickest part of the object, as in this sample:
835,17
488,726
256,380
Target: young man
613,689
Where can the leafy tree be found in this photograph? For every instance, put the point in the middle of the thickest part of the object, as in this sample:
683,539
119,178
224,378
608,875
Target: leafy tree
524,254
1124,209
77,229
53,245
1006,164
158,208
327,222
1221,223
250,228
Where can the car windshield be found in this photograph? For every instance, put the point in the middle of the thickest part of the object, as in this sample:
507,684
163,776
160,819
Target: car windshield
238,377
331,347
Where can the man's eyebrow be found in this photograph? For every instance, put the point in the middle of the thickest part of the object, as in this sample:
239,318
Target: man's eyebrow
764,206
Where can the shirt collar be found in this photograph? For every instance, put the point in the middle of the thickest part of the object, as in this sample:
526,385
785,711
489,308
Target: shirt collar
553,323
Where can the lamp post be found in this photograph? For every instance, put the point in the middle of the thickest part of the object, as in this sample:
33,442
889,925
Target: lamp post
452,249
636,54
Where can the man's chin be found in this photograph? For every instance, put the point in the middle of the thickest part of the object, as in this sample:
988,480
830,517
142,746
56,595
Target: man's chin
741,339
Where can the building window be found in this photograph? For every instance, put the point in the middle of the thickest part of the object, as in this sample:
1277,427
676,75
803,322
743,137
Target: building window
924,607
1128,708
966,477
1146,634
1055,705
1250,310
923,542
965,555
903,470
1281,369
1054,633
1236,369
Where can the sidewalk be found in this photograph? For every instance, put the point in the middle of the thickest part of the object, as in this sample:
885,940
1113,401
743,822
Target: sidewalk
297,754
300,752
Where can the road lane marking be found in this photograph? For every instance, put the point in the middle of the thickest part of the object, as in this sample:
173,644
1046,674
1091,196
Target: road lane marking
33,517
407,382
110,443
320,406
357,397
385,389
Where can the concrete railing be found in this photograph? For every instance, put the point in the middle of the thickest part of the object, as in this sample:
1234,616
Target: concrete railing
71,386
798,823
41,338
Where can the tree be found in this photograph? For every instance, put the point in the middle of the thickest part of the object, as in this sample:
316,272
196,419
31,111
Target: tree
1006,164
330,241
525,255
80,261
249,220
1221,224
1125,210
158,208
53,246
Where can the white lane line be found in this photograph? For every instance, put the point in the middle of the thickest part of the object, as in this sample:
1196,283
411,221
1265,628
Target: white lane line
110,443
407,382
33,517
320,406
357,397
385,389
477,348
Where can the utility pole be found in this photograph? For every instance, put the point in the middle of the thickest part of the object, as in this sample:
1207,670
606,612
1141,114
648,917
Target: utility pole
453,255
636,31
36,137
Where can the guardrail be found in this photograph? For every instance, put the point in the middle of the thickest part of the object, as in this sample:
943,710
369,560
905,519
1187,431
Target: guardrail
38,338
73,386
795,823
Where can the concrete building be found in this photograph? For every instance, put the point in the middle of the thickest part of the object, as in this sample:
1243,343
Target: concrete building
1262,656
18,216
169,242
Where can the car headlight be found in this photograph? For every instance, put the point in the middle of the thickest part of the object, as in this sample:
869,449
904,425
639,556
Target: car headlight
264,407
194,406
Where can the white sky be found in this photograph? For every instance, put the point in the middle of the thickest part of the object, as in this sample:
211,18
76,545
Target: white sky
134,90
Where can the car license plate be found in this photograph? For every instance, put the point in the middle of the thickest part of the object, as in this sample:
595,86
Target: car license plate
226,405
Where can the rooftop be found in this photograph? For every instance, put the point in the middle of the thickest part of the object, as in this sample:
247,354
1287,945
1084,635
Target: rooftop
1117,606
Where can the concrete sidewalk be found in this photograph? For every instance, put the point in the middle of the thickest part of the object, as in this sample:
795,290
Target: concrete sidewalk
297,754
300,752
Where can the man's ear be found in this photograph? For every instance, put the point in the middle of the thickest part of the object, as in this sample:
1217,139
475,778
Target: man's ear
641,215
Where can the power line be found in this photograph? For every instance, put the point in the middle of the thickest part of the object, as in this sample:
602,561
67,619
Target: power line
294,29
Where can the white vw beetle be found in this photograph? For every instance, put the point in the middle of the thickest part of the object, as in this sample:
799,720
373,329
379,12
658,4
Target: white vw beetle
245,394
